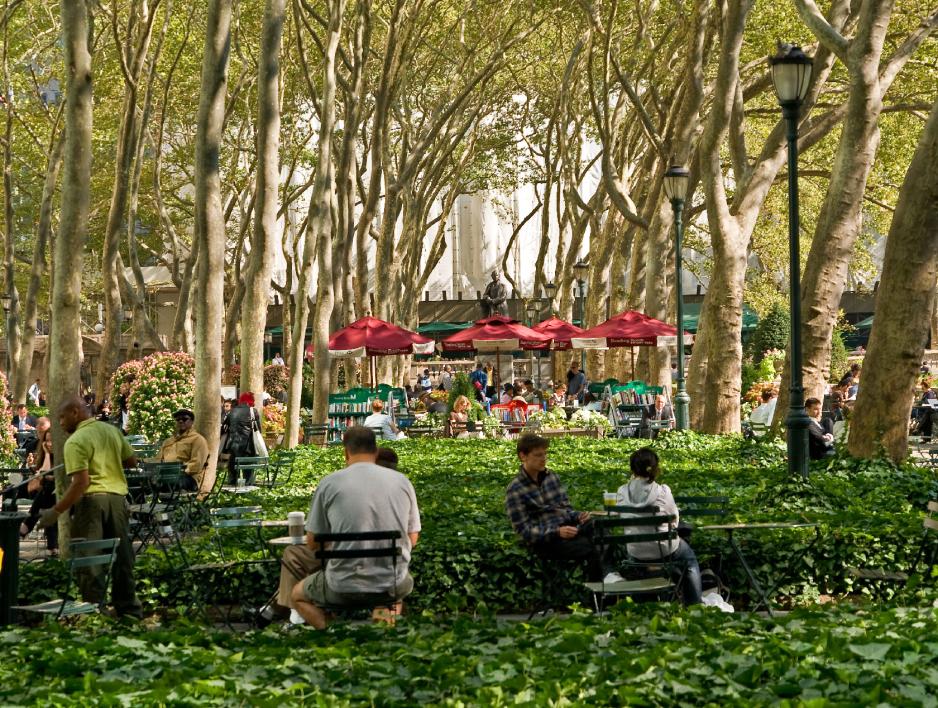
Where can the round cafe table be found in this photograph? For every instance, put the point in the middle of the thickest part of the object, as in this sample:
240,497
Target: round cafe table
287,541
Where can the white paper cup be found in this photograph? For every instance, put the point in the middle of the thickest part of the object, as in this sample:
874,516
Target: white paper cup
295,523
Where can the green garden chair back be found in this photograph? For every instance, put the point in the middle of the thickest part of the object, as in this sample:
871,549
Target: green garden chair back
656,577
84,555
691,506
254,470
145,451
316,435
380,545
281,467
927,550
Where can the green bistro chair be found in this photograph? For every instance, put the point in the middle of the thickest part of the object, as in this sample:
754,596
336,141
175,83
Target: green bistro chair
83,555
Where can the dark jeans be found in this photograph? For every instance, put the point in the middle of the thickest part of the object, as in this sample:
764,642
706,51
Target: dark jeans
44,499
100,516
233,472
691,590
580,547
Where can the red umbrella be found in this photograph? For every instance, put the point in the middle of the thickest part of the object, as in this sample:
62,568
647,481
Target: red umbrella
494,334
561,331
370,336
628,329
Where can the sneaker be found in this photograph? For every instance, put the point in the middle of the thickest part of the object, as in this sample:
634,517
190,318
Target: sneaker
296,618
612,578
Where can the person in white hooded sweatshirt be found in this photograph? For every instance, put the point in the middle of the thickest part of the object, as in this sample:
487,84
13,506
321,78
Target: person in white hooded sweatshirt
643,490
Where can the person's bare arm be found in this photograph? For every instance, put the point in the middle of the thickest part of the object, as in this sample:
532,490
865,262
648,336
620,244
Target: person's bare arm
130,462
413,536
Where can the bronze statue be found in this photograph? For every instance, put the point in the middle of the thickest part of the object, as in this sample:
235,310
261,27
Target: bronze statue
495,297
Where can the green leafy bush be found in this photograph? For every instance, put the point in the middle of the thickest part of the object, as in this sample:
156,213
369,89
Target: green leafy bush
869,515
648,655
772,332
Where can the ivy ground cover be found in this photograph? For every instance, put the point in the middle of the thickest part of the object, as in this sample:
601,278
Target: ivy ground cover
639,655
869,515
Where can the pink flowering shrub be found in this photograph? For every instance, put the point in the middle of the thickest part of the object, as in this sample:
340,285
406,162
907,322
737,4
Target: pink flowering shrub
7,441
231,375
165,383
123,380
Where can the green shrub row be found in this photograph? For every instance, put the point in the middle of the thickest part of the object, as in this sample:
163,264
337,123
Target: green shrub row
639,655
869,515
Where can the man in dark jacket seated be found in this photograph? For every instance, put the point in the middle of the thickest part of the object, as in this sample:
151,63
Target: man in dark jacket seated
820,444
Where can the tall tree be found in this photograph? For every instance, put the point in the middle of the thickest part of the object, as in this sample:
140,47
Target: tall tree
209,222
65,336
880,423
132,54
841,219
264,241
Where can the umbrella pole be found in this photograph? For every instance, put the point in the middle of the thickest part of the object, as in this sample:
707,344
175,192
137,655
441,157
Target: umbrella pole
632,352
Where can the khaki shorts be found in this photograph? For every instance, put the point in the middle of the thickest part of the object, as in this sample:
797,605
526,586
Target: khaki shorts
317,592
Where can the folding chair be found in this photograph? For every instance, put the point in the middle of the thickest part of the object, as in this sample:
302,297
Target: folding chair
927,548
316,435
338,545
250,468
231,527
651,578
82,555
281,467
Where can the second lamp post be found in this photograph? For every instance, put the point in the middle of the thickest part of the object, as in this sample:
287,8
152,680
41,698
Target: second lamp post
675,187
791,74
580,269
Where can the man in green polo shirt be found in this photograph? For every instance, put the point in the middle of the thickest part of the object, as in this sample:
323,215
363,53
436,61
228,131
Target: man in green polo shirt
95,457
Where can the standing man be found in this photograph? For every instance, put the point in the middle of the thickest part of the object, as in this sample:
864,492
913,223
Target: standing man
361,497
446,378
190,448
576,382
96,455
495,297
541,514
35,393
479,380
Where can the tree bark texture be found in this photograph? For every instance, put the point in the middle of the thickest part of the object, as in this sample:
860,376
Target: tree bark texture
257,278
318,247
880,423
65,337
210,224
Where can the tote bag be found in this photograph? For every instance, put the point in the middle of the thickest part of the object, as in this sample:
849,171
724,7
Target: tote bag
260,446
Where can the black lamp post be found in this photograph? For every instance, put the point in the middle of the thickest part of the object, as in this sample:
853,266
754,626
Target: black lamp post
532,311
580,269
791,74
7,304
675,188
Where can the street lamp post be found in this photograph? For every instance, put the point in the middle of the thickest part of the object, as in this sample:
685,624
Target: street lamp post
580,269
675,187
791,74
532,311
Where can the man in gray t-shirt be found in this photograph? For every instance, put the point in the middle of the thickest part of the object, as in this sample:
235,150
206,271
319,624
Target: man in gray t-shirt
361,497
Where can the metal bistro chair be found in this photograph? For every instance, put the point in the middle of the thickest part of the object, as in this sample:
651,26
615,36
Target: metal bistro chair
388,550
279,468
316,435
928,550
82,555
627,420
254,470
231,526
654,578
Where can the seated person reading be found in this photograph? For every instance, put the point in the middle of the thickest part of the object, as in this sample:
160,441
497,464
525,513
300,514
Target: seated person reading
380,419
541,514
